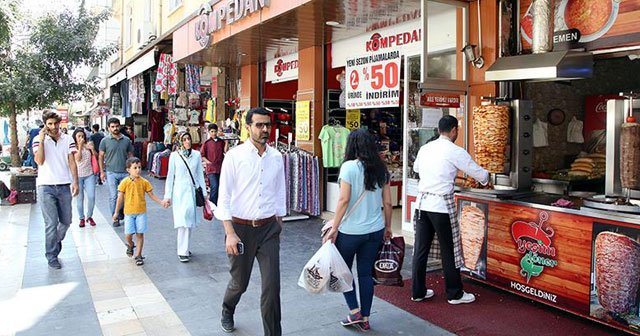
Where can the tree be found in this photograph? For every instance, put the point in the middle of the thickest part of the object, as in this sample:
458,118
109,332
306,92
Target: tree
43,71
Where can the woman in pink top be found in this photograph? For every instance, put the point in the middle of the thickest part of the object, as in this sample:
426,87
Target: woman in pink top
86,178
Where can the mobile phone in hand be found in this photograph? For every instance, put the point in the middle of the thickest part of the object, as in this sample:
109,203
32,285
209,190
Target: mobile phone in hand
240,247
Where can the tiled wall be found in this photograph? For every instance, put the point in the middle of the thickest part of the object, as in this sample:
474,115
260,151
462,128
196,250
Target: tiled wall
610,77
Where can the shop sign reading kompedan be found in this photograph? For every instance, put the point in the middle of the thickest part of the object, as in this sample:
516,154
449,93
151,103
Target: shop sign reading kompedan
373,81
282,69
226,12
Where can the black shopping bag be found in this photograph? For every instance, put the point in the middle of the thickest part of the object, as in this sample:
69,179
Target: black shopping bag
386,268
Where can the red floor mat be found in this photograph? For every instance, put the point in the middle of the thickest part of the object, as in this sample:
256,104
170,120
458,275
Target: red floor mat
494,313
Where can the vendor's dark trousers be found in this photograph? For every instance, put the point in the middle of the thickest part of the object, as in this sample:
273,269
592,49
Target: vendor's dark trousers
427,225
262,243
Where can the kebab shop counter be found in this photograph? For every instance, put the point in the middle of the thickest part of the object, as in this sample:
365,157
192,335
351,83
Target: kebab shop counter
586,263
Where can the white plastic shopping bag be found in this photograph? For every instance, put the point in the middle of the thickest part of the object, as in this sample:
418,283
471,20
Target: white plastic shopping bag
315,273
341,278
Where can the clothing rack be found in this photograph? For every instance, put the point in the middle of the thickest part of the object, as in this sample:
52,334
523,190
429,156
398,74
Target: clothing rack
302,182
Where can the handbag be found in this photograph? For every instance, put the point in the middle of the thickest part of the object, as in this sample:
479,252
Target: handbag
200,201
328,224
94,165
207,213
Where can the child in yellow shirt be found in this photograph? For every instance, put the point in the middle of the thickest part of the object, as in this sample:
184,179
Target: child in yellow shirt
131,191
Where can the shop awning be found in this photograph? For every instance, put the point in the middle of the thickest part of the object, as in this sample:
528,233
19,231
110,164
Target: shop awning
119,76
143,63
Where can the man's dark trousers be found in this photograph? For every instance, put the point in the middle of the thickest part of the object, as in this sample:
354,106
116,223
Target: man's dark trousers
427,225
263,243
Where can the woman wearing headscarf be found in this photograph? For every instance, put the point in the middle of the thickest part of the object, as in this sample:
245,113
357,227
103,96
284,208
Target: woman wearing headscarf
180,191
364,190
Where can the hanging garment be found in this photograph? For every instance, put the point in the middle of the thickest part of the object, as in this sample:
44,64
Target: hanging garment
342,100
192,72
574,131
210,115
194,117
126,103
333,140
166,78
540,134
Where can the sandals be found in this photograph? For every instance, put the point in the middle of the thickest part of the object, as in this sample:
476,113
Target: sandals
130,250
140,261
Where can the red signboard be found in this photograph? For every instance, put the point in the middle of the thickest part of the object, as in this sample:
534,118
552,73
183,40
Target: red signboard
440,100
589,24
63,112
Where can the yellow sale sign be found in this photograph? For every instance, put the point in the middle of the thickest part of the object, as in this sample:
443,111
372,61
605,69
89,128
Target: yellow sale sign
302,120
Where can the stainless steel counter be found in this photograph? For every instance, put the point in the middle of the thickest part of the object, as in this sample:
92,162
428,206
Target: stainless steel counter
542,201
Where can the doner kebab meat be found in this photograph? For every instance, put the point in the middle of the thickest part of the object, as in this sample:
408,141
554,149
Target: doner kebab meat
617,271
630,155
490,136
471,234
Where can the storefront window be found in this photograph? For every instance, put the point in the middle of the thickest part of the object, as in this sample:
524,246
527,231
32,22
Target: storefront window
443,32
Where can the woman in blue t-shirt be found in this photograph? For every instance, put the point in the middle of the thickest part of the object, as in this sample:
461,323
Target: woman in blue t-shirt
360,233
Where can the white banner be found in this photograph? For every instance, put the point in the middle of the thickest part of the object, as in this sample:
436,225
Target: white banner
282,69
373,80
405,37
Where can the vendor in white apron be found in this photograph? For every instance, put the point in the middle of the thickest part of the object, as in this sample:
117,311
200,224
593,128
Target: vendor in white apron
437,164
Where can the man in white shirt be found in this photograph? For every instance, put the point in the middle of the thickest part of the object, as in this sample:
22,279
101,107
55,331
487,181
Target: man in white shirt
251,204
437,164
57,183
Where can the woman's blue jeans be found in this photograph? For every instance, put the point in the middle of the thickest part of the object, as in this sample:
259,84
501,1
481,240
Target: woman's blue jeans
364,248
87,187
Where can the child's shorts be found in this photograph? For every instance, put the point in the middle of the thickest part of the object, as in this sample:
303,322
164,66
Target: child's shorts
135,223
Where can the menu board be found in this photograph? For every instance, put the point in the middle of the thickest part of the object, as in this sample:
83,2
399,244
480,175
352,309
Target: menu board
590,24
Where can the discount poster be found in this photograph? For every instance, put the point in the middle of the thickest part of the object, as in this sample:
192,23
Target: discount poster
373,81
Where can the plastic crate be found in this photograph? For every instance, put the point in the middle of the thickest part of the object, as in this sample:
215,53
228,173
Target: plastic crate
27,197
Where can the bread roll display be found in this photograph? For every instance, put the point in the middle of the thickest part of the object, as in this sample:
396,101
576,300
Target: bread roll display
491,136
630,155
472,233
617,271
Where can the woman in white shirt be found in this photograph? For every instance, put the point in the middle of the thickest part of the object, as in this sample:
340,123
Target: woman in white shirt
86,178
360,234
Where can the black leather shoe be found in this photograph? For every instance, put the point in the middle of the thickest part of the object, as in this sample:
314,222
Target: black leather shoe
227,323
56,265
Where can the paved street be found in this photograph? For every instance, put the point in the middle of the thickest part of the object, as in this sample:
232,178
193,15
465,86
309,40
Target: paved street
99,290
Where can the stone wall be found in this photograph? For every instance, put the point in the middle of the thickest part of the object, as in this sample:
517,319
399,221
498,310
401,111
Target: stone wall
610,77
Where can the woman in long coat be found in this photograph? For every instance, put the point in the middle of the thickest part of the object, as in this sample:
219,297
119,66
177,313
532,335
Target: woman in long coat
180,191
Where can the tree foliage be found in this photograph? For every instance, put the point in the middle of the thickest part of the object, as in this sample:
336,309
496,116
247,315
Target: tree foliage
43,71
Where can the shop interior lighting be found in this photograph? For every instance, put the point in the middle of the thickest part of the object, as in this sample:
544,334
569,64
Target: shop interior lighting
333,23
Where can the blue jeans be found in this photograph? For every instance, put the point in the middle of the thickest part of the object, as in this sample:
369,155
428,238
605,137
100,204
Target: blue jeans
364,248
55,203
113,181
214,184
87,187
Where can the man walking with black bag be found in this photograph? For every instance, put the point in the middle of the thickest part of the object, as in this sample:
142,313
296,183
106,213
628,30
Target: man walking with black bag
251,204
437,164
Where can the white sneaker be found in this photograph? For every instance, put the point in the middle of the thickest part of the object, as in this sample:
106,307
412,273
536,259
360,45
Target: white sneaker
428,295
466,298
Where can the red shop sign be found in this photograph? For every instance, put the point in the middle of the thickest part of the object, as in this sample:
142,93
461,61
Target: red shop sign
440,100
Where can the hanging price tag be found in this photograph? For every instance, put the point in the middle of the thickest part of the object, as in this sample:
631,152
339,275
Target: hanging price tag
302,120
353,119
373,81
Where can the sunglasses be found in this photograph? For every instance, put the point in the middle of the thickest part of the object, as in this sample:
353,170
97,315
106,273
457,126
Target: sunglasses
262,125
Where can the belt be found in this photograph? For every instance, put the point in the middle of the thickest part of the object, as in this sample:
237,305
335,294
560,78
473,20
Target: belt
253,222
